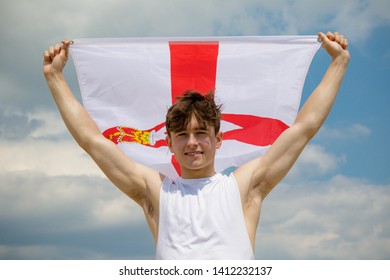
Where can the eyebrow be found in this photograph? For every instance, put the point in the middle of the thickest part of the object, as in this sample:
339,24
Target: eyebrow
198,128
201,128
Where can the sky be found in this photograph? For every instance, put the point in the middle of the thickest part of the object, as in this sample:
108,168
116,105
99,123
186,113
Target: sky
56,204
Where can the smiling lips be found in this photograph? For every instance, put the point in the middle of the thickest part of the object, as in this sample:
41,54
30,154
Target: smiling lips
193,153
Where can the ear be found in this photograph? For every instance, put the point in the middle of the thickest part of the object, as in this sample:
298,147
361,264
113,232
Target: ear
169,142
219,140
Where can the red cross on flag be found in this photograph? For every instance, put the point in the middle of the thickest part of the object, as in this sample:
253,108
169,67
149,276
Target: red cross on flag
128,84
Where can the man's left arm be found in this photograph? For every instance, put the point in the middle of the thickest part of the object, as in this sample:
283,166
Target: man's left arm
266,172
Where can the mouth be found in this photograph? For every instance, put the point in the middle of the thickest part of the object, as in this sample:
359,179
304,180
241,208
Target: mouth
193,153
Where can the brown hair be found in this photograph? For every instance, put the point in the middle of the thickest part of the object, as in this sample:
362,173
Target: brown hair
192,103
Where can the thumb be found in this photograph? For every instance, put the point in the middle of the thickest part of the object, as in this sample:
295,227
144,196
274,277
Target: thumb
322,37
65,48
326,41
66,43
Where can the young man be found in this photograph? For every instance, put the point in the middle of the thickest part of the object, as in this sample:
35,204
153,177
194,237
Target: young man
202,215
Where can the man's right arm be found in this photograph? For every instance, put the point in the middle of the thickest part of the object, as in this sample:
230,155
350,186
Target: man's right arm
137,181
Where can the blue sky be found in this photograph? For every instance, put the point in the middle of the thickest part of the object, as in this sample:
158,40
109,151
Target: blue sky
56,204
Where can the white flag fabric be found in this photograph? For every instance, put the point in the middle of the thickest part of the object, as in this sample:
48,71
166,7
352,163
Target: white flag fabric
128,84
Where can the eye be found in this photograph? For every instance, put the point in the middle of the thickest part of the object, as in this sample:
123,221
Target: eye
181,134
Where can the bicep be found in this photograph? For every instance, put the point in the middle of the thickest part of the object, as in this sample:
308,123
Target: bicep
130,177
273,166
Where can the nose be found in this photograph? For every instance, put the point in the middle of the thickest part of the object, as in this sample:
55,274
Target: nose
192,141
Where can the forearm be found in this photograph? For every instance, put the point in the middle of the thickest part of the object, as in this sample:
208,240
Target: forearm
75,117
318,105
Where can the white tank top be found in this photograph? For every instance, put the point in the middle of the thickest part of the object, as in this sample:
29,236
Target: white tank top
202,219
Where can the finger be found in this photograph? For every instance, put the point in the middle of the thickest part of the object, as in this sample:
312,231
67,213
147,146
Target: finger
66,43
65,48
51,52
46,56
343,42
337,37
57,49
330,36
326,39
346,42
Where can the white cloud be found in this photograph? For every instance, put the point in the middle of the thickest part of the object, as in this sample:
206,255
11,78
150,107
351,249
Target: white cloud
342,218
191,18
356,19
315,161
348,132
69,217
359,18
39,142
64,203
52,124
48,184
53,158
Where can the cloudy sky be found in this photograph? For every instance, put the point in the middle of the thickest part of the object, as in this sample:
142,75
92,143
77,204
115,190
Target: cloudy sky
56,204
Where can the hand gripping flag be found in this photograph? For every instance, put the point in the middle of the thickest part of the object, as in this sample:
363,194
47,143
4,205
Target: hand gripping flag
128,84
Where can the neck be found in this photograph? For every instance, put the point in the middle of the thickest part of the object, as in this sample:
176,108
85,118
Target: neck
197,174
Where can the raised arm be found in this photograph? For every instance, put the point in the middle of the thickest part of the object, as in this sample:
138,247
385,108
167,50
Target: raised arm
316,109
77,120
137,181
264,173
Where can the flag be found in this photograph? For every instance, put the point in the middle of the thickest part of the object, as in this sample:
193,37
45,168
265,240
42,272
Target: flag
127,85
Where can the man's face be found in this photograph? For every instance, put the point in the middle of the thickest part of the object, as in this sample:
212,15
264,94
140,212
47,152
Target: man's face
194,148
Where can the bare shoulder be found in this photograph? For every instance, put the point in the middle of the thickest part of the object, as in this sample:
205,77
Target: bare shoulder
258,177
